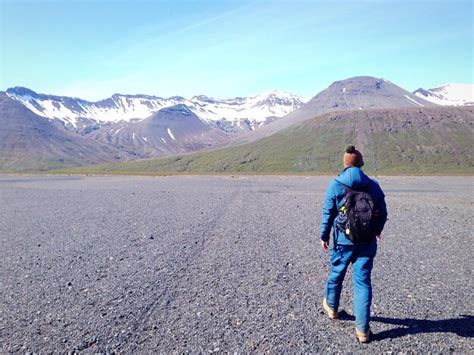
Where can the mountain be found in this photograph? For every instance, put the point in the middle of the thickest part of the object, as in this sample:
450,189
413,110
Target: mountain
29,142
424,140
171,130
247,113
134,126
238,114
375,114
357,93
449,94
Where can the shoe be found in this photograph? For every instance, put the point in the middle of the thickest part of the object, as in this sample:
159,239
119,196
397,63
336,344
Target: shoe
362,337
331,313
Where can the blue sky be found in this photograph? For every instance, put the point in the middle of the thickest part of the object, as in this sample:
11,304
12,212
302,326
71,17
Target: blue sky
92,49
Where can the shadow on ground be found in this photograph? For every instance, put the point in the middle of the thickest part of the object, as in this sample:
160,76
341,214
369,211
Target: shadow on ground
462,326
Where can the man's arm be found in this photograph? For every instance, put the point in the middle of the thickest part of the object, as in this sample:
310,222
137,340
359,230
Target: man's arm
329,213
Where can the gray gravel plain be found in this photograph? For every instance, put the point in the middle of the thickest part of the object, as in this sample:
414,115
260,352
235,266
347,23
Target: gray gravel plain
223,264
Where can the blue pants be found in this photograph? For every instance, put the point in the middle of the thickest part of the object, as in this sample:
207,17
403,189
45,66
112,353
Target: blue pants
361,257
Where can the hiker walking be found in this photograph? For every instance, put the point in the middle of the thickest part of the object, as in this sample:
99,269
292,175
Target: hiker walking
354,207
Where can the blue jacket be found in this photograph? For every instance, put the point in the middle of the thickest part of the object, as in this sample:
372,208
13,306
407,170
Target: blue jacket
354,178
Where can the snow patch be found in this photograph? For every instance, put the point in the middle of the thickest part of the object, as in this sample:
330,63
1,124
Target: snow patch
117,131
144,138
343,89
171,134
413,101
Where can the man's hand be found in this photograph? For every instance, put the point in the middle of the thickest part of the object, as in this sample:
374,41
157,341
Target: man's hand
325,245
378,237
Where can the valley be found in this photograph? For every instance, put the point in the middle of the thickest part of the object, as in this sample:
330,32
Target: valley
211,264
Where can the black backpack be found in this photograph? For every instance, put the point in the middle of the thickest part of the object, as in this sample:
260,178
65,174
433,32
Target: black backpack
356,218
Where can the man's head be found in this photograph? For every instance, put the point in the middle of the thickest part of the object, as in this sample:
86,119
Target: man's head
352,157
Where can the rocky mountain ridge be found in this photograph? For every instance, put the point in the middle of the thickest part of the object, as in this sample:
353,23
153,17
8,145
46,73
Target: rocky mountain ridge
241,113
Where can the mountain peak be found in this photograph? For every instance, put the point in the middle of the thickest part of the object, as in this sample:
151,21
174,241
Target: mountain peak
180,109
277,93
361,81
203,98
450,94
21,91
273,92
356,93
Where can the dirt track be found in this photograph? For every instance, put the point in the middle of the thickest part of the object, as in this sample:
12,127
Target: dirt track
222,264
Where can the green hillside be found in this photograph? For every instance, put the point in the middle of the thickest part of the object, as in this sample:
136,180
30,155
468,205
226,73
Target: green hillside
401,141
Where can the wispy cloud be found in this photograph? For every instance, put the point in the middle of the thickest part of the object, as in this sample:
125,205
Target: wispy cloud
130,52
212,19
147,36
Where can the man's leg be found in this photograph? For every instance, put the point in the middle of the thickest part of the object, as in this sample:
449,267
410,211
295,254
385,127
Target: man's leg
340,260
362,269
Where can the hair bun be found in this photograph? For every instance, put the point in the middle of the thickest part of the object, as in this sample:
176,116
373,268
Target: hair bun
350,149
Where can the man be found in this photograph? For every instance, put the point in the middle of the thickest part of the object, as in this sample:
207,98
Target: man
355,236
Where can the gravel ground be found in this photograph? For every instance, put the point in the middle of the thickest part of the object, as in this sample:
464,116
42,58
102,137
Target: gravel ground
223,264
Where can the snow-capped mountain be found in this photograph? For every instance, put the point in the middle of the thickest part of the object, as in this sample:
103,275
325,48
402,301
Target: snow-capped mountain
123,127
77,113
256,109
171,130
449,94
32,142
